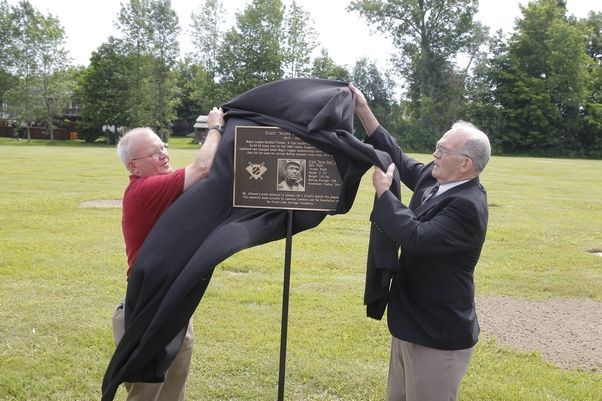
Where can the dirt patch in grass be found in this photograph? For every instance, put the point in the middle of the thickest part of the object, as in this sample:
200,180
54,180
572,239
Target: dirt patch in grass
101,203
567,332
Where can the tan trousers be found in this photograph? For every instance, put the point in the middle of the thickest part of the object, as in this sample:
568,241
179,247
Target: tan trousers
418,373
172,389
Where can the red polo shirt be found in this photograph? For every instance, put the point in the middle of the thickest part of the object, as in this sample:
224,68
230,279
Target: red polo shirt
144,201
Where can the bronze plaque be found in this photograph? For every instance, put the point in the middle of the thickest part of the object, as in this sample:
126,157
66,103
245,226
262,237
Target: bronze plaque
275,169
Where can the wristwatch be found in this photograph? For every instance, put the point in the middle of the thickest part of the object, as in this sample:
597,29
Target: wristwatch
218,127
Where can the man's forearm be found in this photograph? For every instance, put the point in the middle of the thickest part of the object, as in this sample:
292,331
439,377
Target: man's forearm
203,161
368,119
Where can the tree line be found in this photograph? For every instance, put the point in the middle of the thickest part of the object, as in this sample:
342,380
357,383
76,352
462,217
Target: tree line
536,90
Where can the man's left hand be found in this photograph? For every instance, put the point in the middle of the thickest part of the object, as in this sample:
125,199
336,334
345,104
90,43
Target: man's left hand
381,180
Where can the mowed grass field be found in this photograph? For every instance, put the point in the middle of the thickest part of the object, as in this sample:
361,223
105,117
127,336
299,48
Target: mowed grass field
62,271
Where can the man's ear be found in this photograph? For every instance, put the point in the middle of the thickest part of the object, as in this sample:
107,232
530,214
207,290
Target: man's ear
132,167
467,165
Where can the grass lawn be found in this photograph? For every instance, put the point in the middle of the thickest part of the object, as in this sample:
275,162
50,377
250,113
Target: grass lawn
62,271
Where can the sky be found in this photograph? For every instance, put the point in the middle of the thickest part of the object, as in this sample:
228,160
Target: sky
346,36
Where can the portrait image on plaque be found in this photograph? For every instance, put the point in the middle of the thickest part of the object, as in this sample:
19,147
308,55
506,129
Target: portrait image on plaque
291,174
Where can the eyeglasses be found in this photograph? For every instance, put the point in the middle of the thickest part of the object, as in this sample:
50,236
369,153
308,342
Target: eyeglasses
163,149
440,149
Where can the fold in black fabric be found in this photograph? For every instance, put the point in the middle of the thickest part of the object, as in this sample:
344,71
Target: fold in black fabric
201,229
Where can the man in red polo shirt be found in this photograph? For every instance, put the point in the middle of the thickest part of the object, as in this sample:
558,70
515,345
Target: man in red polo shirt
152,189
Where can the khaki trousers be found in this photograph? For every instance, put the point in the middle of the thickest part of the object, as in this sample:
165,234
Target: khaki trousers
418,373
172,389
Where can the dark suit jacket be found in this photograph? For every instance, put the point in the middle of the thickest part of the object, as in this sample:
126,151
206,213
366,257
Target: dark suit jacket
431,302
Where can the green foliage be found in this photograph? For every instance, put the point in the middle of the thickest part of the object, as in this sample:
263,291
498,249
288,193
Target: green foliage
421,30
539,92
542,89
150,29
191,79
428,35
165,51
324,67
378,91
7,79
300,39
591,138
135,23
62,271
7,82
482,106
207,35
592,27
198,91
57,90
104,91
33,53
252,54
591,134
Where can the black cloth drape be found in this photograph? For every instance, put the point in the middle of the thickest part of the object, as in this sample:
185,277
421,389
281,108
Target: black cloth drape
201,229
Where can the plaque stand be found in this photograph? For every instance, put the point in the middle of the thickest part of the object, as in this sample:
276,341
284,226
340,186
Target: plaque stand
285,297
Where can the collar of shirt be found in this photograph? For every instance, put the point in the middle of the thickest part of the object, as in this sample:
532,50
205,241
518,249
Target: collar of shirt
448,186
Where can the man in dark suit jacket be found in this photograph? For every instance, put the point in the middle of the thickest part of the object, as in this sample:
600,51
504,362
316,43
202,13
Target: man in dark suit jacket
431,309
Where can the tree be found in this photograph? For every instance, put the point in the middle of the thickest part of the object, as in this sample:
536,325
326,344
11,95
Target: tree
378,89
207,35
150,29
37,62
299,39
198,92
5,31
188,74
482,107
324,67
165,51
135,22
251,53
8,80
429,36
591,136
592,26
541,82
25,33
53,63
104,91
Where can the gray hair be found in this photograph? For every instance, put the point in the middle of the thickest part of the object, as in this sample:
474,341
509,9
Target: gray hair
477,145
124,146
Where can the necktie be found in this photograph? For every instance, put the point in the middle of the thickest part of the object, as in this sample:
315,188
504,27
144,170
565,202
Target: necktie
429,193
